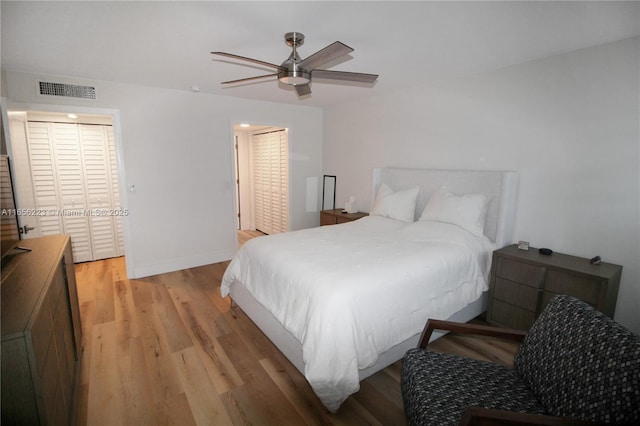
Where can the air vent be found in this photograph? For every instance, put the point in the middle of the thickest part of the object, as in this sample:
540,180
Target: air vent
67,90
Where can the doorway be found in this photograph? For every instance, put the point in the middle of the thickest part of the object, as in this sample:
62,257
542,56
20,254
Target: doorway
67,174
262,178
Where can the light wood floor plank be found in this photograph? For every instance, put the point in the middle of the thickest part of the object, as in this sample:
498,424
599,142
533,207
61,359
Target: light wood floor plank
259,397
206,406
291,391
127,325
174,328
141,292
139,406
165,381
103,286
106,399
383,409
219,367
175,411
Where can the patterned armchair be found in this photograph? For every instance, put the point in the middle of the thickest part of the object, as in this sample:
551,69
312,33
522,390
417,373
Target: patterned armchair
574,366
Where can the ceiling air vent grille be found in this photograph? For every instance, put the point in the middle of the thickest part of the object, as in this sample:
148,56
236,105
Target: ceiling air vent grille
67,90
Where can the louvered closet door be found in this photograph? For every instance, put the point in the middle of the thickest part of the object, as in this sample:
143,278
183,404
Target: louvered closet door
44,177
260,176
96,167
271,181
283,184
71,184
74,173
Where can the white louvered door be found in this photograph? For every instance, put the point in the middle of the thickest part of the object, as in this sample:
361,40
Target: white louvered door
97,178
271,181
73,168
71,186
260,176
44,177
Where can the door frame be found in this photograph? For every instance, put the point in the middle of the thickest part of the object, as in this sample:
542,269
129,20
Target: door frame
6,106
262,123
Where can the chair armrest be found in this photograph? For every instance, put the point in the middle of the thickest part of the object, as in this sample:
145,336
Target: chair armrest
461,327
476,416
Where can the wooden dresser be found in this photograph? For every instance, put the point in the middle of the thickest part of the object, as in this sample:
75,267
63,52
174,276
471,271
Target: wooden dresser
41,333
523,282
333,217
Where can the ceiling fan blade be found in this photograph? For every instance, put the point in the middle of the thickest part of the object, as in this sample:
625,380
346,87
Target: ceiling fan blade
249,78
243,58
303,89
328,54
344,75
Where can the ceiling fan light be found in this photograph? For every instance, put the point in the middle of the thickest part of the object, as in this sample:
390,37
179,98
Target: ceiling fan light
294,77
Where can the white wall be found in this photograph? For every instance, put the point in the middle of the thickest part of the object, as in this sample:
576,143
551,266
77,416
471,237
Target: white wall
568,124
177,151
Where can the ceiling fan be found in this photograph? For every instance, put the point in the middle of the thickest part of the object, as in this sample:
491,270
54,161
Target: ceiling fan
298,72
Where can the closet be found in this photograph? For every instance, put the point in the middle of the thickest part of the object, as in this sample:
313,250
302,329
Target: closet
270,155
75,186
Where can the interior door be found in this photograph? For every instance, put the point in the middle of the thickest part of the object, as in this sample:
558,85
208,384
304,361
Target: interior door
75,181
97,181
43,176
271,181
71,185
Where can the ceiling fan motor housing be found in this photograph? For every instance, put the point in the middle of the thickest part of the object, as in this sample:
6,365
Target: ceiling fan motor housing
291,74
294,77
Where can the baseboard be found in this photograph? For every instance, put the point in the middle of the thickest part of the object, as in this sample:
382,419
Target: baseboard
176,264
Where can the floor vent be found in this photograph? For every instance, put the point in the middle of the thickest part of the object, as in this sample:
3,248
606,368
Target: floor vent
67,90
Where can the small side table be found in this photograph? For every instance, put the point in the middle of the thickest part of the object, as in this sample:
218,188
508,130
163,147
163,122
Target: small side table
335,216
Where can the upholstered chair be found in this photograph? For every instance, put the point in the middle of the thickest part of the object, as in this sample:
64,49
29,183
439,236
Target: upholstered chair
574,366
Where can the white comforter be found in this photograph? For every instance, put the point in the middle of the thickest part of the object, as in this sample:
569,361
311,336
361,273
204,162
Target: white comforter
349,292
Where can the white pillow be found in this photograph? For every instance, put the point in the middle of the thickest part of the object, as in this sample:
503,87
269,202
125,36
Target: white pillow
399,205
467,211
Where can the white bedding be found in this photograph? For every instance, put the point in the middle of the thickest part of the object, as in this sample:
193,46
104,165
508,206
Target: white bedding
349,292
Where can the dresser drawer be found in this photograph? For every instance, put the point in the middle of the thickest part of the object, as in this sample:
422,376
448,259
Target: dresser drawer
341,219
64,342
562,282
327,219
50,382
516,294
57,285
520,272
42,330
511,316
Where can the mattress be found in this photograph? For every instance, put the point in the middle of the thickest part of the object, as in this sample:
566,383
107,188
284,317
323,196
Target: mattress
349,292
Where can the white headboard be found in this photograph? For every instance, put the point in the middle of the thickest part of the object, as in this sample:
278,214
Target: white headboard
500,187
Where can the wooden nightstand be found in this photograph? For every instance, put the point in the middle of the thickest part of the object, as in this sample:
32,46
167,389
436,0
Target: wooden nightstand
523,282
333,217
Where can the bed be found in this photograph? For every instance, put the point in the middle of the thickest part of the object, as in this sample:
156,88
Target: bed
344,301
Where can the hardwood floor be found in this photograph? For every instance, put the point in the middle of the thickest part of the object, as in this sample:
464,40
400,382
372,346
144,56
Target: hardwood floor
244,236
168,350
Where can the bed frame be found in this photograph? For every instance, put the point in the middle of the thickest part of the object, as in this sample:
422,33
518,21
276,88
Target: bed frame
501,189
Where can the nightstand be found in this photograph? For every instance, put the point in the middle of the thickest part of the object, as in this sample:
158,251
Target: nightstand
333,217
523,282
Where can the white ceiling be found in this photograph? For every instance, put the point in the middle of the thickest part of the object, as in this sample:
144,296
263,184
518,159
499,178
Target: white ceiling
167,44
